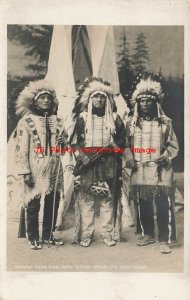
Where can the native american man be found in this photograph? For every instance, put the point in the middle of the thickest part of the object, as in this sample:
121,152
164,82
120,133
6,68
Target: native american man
97,126
38,130
152,175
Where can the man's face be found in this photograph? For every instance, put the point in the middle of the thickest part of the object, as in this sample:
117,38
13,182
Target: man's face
44,101
146,105
99,101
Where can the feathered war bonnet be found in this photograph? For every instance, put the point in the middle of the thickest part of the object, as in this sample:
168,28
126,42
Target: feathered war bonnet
85,91
83,103
25,103
147,85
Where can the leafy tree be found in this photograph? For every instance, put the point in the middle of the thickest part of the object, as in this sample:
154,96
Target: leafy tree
141,54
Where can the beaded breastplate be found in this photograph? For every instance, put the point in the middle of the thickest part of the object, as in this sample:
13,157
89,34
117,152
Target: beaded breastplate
100,133
146,139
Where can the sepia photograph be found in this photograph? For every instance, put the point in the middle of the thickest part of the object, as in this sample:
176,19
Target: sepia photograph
95,132
95,143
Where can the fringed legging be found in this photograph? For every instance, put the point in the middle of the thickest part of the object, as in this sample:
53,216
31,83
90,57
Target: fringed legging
165,217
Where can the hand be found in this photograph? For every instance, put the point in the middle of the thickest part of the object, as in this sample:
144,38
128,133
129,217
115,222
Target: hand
59,228
131,164
113,144
62,140
29,180
162,160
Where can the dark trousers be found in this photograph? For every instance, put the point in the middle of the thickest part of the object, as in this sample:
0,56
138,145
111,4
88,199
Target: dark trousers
165,218
32,217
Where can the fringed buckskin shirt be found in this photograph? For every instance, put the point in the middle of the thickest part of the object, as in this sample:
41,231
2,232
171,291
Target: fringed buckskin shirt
31,134
148,178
